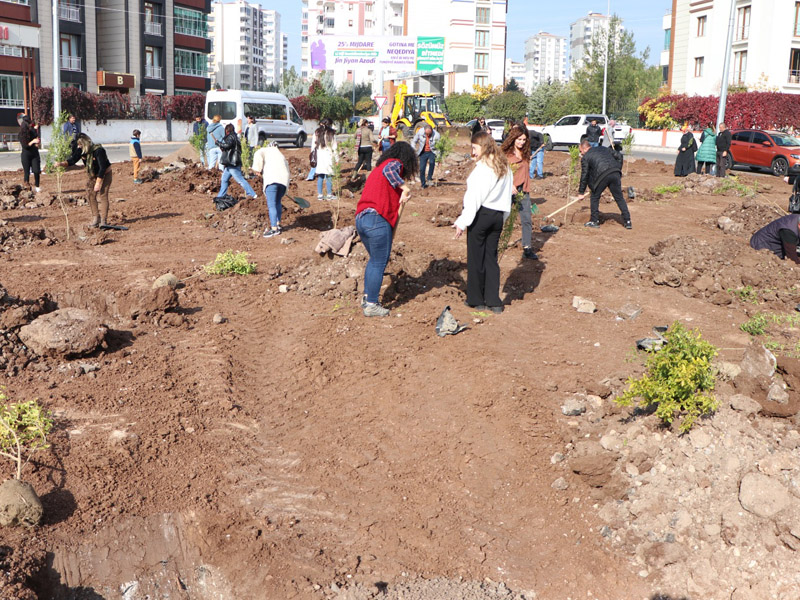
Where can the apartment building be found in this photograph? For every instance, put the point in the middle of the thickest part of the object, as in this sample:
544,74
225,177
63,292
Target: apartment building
515,71
545,59
581,34
765,52
19,43
139,47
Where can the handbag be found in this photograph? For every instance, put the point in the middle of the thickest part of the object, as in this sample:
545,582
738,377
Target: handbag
224,202
312,158
794,199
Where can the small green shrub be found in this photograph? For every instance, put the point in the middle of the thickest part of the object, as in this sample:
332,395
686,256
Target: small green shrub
668,189
746,294
732,183
678,380
756,325
444,146
198,142
24,427
574,170
230,262
247,155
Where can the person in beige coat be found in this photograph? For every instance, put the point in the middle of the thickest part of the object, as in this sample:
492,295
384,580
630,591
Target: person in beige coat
274,169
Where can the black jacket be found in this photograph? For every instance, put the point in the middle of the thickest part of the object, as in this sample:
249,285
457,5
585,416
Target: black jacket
537,139
26,134
99,163
593,133
231,151
724,141
597,164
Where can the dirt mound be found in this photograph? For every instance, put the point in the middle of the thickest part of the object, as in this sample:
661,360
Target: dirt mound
435,589
744,218
14,314
22,556
185,153
12,238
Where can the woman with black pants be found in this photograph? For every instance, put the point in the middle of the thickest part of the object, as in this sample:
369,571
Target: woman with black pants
29,140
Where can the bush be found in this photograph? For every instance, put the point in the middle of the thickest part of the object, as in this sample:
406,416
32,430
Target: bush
230,262
678,379
186,108
444,146
305,108
335,108
462,107
507,105
24,427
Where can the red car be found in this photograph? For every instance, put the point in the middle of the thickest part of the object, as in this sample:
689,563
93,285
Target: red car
779,152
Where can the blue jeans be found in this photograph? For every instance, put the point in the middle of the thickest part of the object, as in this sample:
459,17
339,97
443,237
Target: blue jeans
426,159
236,173
537,164
274,194
376,235
312,173
328,184
212,157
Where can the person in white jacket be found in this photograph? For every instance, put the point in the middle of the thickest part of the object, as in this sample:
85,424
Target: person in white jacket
324,141
487,204
274,169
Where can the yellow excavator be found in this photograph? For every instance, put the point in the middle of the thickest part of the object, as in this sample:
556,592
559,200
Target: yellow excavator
412,111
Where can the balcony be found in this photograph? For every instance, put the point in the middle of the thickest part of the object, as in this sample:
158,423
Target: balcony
70,63
10,50
69,12
742,33
189,72
153,72
153,28
794,77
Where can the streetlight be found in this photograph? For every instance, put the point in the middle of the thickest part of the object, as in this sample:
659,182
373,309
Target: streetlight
56,65
608,45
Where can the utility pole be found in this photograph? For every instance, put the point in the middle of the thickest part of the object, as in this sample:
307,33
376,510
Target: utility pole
56,65
605,68
723,92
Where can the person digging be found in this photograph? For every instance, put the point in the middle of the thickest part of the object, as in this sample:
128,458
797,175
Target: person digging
98,169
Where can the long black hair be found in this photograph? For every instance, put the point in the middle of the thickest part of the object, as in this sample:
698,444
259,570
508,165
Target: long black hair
403,152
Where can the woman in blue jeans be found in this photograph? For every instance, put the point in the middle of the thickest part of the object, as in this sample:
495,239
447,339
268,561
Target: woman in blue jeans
232,161
377,213
270,163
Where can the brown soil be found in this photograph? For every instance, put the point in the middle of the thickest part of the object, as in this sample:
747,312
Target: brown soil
297,449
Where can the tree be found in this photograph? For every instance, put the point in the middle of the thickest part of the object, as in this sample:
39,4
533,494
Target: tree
462,107
336,109
508,105
484,92
292,85
512,86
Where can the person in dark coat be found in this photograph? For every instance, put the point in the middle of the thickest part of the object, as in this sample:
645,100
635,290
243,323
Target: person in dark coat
593,133
29,140
684,163
231,160
723,147
537,154
601,168
780,237
98,170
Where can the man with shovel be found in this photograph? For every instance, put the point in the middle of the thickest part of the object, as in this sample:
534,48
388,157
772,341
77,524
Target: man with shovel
601,168
537,153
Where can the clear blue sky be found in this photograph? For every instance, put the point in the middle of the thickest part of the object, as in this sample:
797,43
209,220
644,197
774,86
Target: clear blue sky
528,17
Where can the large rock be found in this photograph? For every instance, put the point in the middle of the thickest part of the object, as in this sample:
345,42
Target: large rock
763,496
65,332
19,505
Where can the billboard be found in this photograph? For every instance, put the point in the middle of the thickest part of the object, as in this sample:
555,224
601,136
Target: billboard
386,53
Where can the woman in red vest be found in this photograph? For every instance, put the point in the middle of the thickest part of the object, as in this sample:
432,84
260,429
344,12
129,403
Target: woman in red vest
377,212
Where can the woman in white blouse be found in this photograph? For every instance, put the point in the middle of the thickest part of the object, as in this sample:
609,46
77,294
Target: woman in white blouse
487,204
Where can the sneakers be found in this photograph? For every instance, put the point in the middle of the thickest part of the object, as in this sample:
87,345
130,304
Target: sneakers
496,309
137,181
331,198
529,253
320,197
268,233
628,225
592,224
36,190
476,307
375,310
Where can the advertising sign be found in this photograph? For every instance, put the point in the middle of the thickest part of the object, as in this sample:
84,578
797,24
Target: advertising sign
389,53
430,54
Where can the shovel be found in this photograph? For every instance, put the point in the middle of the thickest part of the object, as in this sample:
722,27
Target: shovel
301,202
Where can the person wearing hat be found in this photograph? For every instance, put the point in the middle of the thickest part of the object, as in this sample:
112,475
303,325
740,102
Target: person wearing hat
271,164
135,152
388,135
29,140
684,163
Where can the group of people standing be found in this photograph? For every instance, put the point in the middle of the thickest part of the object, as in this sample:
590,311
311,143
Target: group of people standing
711,156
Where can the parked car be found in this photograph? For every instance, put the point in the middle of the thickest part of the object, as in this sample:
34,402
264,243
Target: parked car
356,120
567,131
497,126
756,148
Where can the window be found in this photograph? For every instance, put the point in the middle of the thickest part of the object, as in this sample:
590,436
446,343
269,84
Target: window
11,91
10,50
759,138
68,11
70,52
568,121
701,26
698,66
481,80
742,23
266,111
152,24
153,68
190,63
797,19
741,136
794,66
481,61
226,110
481,39
482,15
190,22
667,38
739,67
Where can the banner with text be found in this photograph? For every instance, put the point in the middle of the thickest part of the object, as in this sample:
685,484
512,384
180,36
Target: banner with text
390,53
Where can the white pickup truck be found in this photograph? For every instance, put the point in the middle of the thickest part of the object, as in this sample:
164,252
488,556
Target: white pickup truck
568,130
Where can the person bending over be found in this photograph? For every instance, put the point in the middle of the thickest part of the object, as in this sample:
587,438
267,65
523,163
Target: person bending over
780,237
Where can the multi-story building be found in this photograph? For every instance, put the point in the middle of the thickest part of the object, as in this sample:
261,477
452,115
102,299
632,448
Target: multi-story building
765,52
273,47
545,59
581,34
244,40
666,24
144,47
284,53
516,71
19,43
474,33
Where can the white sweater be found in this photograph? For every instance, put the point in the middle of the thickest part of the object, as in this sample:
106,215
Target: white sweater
484,188
272,165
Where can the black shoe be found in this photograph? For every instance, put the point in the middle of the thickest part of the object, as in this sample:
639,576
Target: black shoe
477,307
424,186
592,224
496,309
529,253
628,225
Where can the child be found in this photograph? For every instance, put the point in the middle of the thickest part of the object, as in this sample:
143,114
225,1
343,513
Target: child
135,152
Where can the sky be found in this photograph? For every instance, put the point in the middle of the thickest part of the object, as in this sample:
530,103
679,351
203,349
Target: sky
527,18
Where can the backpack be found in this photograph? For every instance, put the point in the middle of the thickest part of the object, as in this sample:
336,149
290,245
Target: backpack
794,199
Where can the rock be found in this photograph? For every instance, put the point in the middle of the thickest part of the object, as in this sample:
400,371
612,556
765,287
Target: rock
744,404
157,300
166,280
348,285
560,484
353,270
778,394
573,407
699,438
595,470
283,288
629,311
19,505
758,361
218,318
583,305
762,495
65,332
728,371
612,443
556,458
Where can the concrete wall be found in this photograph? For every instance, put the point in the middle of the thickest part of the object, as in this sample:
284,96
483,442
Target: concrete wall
118,131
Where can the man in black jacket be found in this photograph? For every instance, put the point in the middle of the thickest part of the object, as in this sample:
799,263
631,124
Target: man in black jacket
593,133
601,168
723,147
537,154
98,170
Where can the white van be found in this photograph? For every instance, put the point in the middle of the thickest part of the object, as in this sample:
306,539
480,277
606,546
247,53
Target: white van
276,118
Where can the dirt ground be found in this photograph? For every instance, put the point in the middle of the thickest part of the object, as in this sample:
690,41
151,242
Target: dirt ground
290,447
